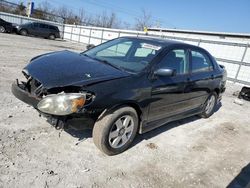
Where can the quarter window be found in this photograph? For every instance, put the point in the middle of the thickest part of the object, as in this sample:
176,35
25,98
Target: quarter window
177,60
200,62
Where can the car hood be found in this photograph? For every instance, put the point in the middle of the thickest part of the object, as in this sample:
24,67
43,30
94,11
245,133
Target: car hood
67,68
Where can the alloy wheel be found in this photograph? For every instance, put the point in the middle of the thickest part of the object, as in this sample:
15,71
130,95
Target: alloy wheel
210,104
2,29
23,32
121,131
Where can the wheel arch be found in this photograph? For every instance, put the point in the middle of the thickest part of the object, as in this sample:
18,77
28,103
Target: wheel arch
131,104
3,27
217,90
52,34
24,29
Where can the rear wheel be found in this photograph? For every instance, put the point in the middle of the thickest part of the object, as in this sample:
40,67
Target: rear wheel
24,32
210,105
52,37
2,29
114,132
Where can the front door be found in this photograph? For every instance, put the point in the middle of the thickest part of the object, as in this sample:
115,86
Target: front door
168,93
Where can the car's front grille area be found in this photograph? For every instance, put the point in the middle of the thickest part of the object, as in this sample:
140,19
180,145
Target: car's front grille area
33,86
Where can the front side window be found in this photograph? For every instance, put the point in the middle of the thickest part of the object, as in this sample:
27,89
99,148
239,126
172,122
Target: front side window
200,62
131,54
44,26
176,60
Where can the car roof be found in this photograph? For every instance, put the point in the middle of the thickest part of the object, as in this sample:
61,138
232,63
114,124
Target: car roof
41,23
163,42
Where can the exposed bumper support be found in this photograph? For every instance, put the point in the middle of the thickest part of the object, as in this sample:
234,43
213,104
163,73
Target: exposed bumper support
24,95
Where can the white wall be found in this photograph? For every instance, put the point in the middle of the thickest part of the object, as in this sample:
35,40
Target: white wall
233,53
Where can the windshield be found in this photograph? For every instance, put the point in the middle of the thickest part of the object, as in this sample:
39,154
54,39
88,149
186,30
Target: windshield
130,54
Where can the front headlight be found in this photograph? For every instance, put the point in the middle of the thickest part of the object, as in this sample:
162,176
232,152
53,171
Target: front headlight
62,104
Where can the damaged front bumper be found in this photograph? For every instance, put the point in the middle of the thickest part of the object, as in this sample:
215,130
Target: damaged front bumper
76,121
19,92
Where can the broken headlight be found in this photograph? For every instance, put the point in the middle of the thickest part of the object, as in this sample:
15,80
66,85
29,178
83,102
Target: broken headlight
62,103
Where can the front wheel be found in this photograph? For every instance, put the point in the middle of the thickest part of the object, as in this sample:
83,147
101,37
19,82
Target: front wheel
114,132
24,32
210,105
2,29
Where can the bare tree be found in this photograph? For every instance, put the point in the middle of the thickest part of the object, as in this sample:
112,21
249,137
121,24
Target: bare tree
106,20
47,12
126,25
145,20
20,9
84,18
62,11
68,15
42,11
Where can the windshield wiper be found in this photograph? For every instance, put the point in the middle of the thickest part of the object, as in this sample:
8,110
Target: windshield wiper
107,63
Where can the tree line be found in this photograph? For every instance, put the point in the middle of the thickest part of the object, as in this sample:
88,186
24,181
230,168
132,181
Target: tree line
66,15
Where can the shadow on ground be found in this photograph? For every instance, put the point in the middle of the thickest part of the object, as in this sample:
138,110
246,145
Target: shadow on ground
169,126
242,180
87,133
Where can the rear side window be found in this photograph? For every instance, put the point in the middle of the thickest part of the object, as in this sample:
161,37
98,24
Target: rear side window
200,62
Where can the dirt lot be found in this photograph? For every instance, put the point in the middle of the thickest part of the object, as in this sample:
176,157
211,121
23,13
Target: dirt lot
189,153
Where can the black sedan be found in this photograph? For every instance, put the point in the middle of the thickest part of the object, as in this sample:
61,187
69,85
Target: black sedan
5,27
123,87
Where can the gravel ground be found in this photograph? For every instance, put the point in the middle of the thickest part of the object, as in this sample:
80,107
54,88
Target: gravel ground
192,152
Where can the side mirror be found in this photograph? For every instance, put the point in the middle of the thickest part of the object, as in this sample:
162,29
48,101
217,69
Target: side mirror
90,46
165,72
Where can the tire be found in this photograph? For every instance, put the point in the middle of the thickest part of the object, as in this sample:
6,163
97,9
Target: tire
52,37
115,131
24,32
2,29
210,105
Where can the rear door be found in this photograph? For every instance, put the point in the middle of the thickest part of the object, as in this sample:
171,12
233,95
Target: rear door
168,93
202,76
33,28
44,30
